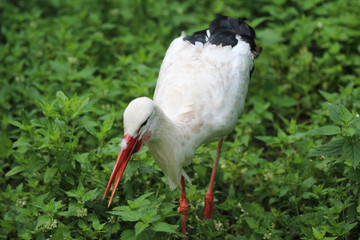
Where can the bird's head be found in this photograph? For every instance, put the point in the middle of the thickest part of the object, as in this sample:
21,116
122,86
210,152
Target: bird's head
138,117
138,127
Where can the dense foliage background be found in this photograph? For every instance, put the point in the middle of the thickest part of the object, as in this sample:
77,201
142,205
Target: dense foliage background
69,68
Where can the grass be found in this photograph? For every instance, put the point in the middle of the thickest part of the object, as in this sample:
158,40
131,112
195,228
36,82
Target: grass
290,169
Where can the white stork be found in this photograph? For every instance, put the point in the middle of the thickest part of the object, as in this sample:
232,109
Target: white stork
199,96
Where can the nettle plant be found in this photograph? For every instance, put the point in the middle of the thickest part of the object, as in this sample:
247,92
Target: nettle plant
50,172
56,174
148,217
49,144
340,158
346,132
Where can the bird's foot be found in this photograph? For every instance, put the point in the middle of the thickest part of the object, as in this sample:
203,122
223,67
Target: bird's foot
183,209
208,209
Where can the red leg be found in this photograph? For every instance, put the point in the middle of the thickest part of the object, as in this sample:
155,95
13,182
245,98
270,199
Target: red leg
209,197
184,207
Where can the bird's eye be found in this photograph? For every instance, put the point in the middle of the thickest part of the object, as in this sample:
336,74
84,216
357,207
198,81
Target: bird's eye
142,125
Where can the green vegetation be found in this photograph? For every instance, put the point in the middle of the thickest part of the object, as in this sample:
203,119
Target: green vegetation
290,170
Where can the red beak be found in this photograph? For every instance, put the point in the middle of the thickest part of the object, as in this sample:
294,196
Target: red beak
132,146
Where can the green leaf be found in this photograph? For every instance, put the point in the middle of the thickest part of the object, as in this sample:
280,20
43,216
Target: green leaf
16,124
79,108
127,215
329,96
97,226
42,219
150,215
139,201
73,207
283,191
83,159
348,131
128,235
60,95
352,152
91,130
131,169
82,225
108,122
24,118
269,140
14,171
344,114
283,101
332,148
49,174
253,224
167,209
339,114
139,227
22,141
334,113
91,195
164,227
319,234
354,175
272,36
307,195
60,67
53,206
326,130
122,208
73,193
347,227
85,73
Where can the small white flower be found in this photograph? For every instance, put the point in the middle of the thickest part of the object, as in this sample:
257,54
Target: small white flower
82,212
72,59
19,78
268,176
54,224
99,34
116,199
33,24
20,202
51,224
114,11
218,225
267,236
111,219
38,53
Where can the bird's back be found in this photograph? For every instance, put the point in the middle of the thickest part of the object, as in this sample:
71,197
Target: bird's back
204,78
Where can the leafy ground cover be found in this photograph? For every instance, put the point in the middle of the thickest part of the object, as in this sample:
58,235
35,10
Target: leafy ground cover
290,170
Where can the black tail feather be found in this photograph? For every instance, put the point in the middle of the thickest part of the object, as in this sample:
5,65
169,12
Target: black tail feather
199,36
223,30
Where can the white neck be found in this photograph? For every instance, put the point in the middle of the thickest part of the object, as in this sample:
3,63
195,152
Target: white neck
166,146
